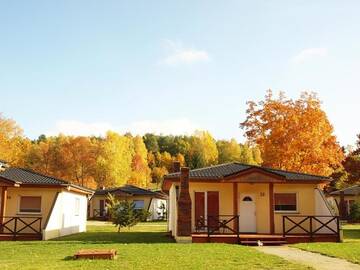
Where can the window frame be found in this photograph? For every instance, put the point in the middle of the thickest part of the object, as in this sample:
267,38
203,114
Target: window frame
288,211
139,208
26,212
77,207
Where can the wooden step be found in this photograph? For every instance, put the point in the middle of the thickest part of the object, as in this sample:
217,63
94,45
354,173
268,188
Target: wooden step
108,254
268,242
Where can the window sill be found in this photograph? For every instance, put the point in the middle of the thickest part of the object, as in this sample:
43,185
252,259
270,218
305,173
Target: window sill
28,214
286,212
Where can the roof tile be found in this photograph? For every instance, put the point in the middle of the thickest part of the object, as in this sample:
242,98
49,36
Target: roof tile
227,169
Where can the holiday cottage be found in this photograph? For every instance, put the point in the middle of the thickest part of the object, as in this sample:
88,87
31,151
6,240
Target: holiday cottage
344,199
154,202
240,203
36,206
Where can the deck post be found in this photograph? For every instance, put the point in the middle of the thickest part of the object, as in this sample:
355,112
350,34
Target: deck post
235,206
338,228
283,224
271,208
3,207
311,230
15,228
238,231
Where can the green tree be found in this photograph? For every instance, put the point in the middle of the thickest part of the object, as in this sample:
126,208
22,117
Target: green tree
247,155
355,211
124,214
229,151
257,155
151,142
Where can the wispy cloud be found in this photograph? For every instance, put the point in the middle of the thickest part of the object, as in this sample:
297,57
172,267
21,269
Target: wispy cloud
178,126
178,54
173,126
78,128
308,54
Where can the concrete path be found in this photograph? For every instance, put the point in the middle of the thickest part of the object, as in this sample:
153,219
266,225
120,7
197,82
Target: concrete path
315,260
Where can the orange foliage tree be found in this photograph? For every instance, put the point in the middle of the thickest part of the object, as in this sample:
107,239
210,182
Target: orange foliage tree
293,135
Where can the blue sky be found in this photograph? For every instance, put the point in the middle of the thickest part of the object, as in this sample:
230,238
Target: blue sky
84,67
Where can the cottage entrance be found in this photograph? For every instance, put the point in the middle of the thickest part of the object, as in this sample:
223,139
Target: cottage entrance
247,213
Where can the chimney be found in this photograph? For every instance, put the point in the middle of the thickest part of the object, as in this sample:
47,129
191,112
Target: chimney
184,205
176,166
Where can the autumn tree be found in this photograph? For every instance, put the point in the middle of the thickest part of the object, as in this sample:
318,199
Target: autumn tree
293,134
13,144
79,155
349,173
203,151
246,155
113,164
140,175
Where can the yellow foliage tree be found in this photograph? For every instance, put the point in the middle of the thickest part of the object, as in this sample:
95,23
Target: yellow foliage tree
140,175
13,144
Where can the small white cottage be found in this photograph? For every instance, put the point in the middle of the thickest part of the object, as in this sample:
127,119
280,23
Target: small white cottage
36,206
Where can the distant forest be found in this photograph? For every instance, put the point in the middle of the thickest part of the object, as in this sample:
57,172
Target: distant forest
281,133
117,159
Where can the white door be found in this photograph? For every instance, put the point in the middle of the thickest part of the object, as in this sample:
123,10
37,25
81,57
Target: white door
247,213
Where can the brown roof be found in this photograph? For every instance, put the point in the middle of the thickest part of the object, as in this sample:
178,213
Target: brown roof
353,191
23,176
130,190
225,170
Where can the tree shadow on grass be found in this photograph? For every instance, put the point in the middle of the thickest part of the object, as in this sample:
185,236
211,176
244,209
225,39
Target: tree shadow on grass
115,237
352,234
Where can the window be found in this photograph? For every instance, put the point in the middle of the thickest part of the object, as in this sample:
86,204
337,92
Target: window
30,204
139,204
285,202
77,206
247,199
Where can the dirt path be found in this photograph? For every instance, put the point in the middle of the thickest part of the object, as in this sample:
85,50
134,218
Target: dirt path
315,260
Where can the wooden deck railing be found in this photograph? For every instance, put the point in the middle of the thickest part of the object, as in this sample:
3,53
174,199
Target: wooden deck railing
99,213
17,226
311,225
222,224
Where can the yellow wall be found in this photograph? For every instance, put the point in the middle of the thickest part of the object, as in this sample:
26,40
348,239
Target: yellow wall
225,197
47,198
306,200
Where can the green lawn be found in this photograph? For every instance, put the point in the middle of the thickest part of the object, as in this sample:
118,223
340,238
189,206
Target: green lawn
146,246
349,250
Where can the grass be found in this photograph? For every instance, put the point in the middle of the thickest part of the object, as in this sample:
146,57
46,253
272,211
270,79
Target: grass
348,250
146,246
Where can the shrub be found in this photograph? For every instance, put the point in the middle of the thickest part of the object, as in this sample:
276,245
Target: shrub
124,214
355,211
